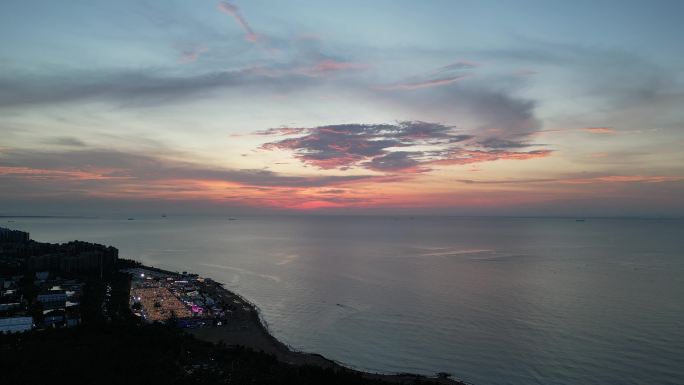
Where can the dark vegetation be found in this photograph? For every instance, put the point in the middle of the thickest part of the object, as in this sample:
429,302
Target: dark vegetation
120,354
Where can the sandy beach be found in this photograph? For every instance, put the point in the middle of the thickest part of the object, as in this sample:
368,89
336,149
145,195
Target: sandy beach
245,328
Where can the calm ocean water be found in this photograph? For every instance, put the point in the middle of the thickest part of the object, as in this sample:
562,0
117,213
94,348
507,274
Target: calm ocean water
494,301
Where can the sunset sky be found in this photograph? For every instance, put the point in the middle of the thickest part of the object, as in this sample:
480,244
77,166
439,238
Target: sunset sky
359,107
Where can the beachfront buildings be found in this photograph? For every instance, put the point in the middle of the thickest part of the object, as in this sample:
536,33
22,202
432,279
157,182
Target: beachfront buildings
56,304
52,298
18,251
15,324
7,235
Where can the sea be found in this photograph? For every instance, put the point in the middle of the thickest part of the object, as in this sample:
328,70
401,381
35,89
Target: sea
492,301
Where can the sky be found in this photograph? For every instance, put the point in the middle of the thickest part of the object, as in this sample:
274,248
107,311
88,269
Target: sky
352,107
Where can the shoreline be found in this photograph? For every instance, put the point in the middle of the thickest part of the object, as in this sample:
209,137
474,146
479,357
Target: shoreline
247,327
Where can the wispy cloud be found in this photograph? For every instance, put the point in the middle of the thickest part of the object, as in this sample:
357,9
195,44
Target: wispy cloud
115,165
613,77
281,131
191,54
331,65
464,156
590,130
507,181
503,143
424,83
582,180
44,174
67,141
442,76
143,87
625,179
233,11
489,104
318,68
459,65
599,130
121,176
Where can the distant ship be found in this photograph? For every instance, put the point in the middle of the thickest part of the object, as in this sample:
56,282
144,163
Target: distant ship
131,219
580,220
163,215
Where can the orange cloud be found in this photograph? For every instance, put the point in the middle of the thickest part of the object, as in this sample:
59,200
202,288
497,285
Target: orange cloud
41,174
599,130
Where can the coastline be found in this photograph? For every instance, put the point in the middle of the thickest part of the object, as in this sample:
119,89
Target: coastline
246,327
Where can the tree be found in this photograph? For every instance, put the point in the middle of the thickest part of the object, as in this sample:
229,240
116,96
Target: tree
444,375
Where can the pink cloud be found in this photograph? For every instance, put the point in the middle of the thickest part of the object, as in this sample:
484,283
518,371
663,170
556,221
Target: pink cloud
191,55
377,147
599,130
329,65
461,157
234,11
425,84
